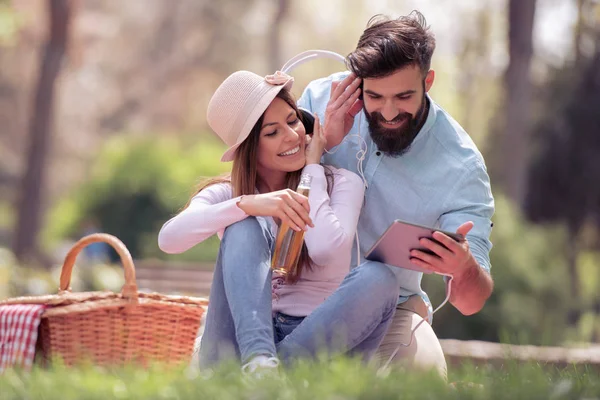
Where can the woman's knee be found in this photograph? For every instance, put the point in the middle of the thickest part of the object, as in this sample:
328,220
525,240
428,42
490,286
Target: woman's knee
247,242
378,277
251,231
375,283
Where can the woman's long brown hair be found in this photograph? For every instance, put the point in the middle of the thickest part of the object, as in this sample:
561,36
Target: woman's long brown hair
244,177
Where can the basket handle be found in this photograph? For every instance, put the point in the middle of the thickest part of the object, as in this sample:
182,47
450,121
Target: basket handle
129,290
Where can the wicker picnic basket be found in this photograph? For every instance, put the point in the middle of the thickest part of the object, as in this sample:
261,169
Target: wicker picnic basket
109,328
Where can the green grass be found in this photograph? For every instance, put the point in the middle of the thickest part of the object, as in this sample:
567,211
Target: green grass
341,379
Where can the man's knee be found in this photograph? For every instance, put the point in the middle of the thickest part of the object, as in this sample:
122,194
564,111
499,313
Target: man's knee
420,350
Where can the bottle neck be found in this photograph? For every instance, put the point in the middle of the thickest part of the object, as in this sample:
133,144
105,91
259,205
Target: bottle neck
305,181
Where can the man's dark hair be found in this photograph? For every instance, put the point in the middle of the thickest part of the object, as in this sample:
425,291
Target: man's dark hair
388,45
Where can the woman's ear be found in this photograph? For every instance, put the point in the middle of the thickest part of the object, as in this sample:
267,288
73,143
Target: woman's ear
308,120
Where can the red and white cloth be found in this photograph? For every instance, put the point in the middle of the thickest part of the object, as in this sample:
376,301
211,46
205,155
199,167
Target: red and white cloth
18,334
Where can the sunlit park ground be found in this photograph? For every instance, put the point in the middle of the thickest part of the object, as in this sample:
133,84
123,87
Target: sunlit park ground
341,379
128,142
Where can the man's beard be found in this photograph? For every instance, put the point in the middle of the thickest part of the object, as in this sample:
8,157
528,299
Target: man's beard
397,141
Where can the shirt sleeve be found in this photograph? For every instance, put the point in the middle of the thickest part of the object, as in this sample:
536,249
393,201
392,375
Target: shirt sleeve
316,95
334,216
472,200
305,100
209,212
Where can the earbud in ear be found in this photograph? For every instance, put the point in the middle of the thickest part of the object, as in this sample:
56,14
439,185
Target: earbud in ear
308,120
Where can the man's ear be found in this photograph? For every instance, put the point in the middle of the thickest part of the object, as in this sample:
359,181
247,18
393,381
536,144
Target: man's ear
429,78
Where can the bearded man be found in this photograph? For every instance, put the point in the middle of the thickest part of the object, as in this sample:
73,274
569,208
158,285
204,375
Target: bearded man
419,165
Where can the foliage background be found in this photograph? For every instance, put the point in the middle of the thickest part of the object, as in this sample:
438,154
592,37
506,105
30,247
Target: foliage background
128,142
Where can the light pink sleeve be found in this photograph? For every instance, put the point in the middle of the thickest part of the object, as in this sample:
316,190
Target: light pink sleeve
209,212
335,216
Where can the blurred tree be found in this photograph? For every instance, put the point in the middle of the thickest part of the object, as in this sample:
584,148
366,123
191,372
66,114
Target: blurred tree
12,92
476,89
7,94
132,67
135,186
185,38
564,174
510,164
33,182
579,27
585,35
274,36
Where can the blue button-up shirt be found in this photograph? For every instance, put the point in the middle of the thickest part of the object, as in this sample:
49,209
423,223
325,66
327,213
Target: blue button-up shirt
441,181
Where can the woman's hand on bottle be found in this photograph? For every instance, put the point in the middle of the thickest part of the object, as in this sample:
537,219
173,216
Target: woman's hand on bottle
290,207
316,144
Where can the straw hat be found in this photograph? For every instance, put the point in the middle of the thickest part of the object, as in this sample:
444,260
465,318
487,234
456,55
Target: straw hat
238,103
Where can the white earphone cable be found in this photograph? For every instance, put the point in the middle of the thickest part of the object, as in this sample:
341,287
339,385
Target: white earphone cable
412,332
360,157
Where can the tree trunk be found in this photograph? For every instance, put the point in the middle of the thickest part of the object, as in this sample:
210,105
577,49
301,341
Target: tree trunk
474,63
33,182
274,36
518,86
596,29
572,255
579,26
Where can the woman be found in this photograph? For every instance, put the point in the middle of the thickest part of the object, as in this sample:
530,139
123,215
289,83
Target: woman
252,309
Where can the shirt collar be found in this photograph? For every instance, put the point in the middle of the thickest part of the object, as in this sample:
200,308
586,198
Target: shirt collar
429,122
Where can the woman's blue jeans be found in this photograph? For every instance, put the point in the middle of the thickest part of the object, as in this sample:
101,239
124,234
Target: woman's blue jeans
240,322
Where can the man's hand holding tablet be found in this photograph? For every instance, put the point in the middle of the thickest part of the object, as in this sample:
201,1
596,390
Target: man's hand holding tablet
424,249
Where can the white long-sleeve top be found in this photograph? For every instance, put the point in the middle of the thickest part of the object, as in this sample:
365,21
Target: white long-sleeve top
329,243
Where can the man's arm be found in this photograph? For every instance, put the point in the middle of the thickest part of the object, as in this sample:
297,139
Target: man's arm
470,208
470,290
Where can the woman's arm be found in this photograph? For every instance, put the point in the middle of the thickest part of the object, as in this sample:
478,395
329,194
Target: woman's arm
335,216
209,212
212,210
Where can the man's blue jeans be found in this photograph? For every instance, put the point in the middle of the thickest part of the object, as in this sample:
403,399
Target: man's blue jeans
239,321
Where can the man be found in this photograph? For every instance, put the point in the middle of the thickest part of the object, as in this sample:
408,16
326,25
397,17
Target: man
420,166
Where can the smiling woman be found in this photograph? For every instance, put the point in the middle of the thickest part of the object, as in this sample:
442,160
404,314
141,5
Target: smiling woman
281,143
251,305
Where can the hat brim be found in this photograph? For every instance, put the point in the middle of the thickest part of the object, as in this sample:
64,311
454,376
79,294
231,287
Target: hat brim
255,115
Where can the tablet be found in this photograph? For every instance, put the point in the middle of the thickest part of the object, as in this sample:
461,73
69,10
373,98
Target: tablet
394,246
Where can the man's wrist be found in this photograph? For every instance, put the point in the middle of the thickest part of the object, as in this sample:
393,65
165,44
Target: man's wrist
333,143
469,272
332,140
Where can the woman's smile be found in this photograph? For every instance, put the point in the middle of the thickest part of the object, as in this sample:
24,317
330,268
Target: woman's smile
290,152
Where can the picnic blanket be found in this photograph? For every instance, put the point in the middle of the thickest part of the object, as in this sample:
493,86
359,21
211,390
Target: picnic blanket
18,334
